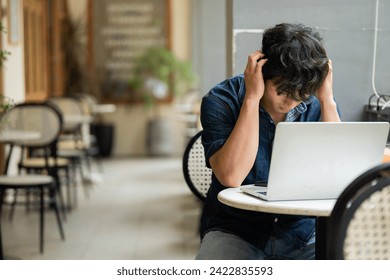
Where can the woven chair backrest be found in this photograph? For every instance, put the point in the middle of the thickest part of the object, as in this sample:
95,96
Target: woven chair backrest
196,173
68,106
360,221
41,119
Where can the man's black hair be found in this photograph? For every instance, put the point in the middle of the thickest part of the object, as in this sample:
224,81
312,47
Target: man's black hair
297,61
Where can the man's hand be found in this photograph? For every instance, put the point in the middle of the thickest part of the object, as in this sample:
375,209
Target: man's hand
325,96
232,163
253,75
325,92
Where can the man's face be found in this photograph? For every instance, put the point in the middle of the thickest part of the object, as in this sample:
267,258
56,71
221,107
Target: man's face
275,103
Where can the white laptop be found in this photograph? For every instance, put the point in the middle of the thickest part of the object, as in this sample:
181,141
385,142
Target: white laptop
317,160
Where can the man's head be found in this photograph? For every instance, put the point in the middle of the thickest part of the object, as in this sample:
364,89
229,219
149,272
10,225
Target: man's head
297,61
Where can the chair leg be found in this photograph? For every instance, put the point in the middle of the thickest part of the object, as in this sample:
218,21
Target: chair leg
42,219
1,200
58,190
13,204
28,194
15,201
1,240
73,183
57,213
84,180
88,163
69,205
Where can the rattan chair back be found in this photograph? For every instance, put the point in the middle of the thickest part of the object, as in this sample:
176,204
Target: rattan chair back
196,174
40,118
360,221
68,106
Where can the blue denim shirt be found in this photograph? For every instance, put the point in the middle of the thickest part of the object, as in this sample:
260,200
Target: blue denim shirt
219,112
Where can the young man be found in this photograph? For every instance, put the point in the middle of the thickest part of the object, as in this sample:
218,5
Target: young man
289,80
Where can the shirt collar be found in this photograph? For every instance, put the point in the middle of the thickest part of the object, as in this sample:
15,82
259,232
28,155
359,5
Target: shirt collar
294,113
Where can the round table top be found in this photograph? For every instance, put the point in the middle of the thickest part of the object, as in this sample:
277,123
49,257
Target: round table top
72,119
234,197
104,108
15,135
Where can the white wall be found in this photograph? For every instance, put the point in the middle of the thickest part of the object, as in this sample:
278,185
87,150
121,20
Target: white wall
13,72
13,69
209,42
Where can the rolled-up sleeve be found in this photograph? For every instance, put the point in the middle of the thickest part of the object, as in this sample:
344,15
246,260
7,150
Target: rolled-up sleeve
219,113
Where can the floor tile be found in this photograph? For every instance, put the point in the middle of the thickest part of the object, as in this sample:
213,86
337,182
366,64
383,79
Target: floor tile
138,209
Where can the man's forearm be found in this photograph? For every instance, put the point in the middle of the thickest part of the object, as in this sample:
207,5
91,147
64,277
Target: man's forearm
232,163
329,111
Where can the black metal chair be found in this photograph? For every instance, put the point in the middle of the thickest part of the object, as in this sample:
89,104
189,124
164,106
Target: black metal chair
71,144
196,174
33,159
359,226
89,106
46,122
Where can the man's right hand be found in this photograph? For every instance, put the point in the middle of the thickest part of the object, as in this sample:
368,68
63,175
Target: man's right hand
232,163
253,75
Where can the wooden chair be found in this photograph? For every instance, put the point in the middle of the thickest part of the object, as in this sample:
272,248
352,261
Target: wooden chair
359,226
196,174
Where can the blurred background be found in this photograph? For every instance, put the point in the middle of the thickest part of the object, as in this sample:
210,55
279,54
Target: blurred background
147,64
66,47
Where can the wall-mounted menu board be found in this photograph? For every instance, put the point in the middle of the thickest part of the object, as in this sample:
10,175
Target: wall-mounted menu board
122,30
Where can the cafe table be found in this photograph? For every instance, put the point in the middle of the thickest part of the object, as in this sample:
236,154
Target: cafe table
10,137
104,108
321,209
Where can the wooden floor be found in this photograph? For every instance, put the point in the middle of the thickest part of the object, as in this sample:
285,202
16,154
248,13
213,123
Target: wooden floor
138,209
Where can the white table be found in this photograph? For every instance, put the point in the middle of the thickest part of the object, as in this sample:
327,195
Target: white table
16,136
321,209
74,119
104,108
7,136
234,197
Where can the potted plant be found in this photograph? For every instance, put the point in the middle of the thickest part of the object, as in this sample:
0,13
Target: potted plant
159,75
5,102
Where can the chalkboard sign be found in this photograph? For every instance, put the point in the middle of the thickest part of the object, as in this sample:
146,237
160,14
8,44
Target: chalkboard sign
123,30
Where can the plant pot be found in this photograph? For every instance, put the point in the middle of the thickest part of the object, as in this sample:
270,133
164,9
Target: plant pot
104,133
159,137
